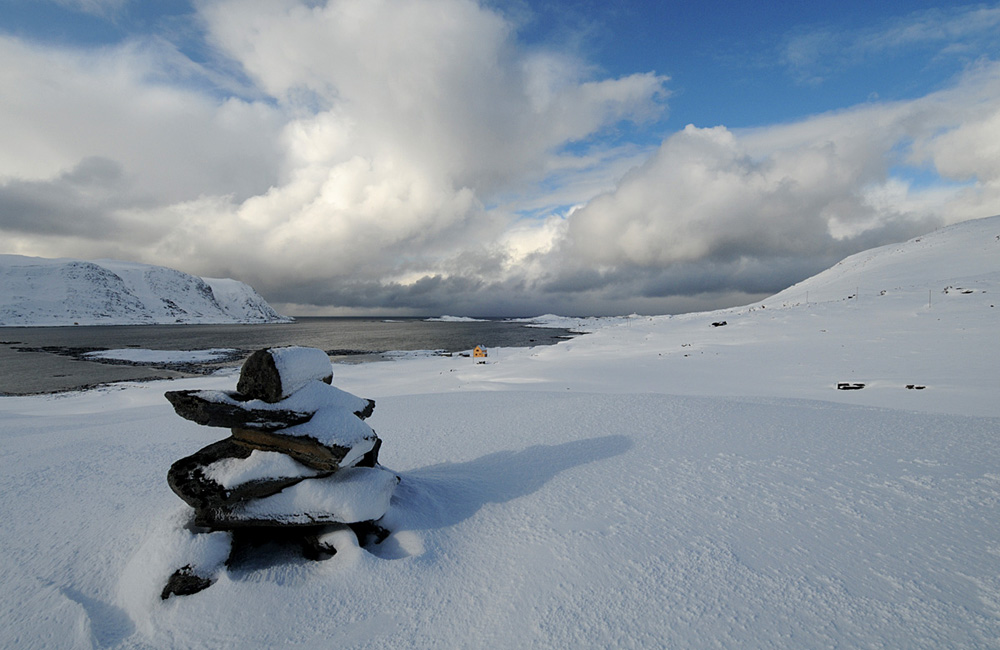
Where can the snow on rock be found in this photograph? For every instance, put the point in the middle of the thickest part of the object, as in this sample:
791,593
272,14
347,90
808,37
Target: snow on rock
37,291
335,426
351,495
231,472
275,373
330,408
317,395
275,481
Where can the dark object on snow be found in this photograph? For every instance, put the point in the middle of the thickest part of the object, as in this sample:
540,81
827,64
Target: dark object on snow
207,408
288,514
369,532
306,450
849,386
259,498
719,323
915,387
184,582
188,480
261,376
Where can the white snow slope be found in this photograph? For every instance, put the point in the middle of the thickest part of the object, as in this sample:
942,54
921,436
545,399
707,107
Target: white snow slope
38,291
658,483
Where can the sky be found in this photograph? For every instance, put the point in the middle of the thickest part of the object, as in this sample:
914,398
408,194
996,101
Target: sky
428,157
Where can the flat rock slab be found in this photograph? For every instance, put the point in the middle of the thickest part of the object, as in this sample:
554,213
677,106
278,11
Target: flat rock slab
206,408
199,480
305,449
352,495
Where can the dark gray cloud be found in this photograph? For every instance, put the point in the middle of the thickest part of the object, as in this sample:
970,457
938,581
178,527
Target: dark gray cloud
81,201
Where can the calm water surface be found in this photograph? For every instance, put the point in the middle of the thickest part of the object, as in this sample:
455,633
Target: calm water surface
44,359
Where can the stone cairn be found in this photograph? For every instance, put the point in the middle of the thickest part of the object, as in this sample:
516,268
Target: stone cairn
301,464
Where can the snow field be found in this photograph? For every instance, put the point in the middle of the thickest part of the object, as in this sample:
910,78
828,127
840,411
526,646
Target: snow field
530,519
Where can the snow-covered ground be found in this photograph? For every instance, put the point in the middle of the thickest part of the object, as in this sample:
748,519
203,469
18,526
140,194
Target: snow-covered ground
660,482
144,356
454,319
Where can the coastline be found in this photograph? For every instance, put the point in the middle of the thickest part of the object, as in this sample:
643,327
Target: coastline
44,360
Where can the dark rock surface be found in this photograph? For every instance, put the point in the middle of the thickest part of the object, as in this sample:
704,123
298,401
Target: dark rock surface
261,379
198,406
184,582
187,479
306,450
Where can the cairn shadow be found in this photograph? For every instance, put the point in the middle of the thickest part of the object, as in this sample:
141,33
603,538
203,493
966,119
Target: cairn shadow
447,494
440,496
109,624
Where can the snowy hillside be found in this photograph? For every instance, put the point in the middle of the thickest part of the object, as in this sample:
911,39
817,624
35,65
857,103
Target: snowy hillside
954,258
665,482
37,291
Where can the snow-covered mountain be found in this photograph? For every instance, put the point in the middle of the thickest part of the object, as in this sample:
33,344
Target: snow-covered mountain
37,291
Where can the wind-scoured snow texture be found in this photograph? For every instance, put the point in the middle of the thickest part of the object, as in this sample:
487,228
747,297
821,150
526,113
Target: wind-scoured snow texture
36,291
658,483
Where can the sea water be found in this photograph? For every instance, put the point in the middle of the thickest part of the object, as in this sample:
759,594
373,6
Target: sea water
46,359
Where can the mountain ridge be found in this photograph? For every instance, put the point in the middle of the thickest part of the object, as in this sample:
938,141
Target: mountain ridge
37,291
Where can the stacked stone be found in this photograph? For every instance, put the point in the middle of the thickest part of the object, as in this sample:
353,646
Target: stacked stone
301,461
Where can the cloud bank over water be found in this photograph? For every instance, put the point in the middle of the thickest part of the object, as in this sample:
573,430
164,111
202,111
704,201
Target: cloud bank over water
404,157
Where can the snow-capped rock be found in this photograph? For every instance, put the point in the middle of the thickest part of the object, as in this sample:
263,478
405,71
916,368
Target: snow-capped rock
39,291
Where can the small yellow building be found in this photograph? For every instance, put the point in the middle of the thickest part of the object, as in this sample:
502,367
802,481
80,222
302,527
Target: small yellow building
479,352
